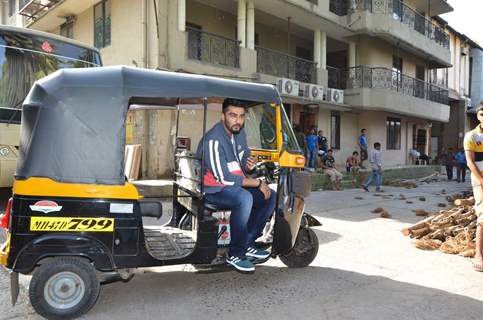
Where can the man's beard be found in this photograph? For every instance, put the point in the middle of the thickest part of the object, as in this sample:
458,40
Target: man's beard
237,130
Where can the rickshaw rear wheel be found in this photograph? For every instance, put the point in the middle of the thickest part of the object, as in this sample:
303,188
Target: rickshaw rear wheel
304,251
64,288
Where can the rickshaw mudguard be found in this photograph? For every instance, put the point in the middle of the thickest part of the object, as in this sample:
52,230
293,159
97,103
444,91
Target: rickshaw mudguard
55,245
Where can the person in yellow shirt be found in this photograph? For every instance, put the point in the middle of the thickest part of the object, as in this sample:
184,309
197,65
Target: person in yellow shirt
473,144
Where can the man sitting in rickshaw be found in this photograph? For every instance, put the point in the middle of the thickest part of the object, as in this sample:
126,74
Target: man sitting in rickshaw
227,159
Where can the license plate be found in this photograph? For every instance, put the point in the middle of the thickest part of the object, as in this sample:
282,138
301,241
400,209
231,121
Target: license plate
71,224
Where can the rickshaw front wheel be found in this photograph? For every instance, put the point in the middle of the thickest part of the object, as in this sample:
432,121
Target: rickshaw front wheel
64,288
304,251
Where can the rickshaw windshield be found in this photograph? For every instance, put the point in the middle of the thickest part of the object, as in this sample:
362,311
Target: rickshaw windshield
260,127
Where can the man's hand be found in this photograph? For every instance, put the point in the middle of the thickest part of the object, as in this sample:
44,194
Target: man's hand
265,190
251,163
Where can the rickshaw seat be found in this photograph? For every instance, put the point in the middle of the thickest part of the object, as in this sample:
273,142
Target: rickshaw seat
151,208
211,207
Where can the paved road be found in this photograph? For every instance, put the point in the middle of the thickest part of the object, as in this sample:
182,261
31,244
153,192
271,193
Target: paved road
365,269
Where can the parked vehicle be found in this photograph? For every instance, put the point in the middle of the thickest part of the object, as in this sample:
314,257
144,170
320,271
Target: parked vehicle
74,222
27,55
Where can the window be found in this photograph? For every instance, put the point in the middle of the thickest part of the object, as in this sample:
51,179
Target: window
11,7
67,30
397,69
102,24
335,130
393,127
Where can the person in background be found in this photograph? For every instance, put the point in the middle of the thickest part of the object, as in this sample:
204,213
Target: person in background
414,155
474,152
460,166
375,159
448,161
362,143
311,141
323,143
328,164
352,164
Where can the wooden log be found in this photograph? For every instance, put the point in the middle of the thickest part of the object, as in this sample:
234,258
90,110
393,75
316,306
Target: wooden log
421,224
465,202
419,233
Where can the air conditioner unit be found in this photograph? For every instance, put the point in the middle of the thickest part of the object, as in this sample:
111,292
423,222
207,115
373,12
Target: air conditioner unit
288,87
314,92
335,95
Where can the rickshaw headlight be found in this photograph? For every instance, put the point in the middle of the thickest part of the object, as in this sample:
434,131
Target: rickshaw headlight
4,151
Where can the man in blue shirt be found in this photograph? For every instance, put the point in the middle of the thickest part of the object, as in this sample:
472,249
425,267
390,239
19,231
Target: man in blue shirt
312,144
362,142
460,166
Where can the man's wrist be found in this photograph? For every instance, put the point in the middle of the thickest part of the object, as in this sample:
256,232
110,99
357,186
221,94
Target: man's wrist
259,183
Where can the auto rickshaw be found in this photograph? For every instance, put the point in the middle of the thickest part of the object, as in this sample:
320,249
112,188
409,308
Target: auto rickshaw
75,222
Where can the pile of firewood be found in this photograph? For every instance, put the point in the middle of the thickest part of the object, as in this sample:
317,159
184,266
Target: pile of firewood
450,230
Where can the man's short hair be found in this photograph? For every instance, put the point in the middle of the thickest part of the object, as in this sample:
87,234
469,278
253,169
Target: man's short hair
363,129
354,153
330,150
376,144
480,107
233,102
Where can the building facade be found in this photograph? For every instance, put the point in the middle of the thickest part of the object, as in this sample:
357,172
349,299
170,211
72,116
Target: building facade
375,60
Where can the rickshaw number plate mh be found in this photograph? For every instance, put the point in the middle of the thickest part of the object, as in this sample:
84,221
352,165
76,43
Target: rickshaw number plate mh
71,224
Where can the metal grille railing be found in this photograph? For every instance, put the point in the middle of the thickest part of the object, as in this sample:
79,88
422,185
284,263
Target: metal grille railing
402,12
334,78
339,7
283,65
211,48
385,78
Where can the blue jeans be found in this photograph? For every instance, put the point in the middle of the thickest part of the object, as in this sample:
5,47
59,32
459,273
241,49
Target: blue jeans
249,214
312,155
376,176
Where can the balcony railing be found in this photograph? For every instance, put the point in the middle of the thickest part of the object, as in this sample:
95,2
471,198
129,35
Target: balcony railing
286,66
399,11
339,7
214,49
385,78
33,9
334,78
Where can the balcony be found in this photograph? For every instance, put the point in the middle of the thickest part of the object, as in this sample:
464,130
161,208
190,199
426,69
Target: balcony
282,65
399,24
213,49
33,9
385,89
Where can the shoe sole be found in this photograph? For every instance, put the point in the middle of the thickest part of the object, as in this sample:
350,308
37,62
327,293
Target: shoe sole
257,256
241,269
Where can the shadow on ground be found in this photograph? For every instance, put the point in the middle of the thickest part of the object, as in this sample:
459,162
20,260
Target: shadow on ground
278,293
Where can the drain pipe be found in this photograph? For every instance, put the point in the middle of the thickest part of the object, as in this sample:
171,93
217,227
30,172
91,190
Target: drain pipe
144,33
145,113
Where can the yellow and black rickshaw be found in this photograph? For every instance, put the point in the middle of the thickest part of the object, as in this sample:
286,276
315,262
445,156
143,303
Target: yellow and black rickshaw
75,222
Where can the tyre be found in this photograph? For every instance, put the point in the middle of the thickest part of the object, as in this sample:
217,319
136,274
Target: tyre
304,251
64,288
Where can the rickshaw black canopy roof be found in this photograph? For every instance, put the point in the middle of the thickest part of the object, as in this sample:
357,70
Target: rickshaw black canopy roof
73,121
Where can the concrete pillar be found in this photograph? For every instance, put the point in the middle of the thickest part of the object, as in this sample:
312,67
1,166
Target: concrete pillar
242,22
323,50
251,25
181,15
317,48
352,55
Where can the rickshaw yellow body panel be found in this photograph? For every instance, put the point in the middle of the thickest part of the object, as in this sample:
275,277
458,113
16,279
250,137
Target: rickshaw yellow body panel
288,160
49,188
4,249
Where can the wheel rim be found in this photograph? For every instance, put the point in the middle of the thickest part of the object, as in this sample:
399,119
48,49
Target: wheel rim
64,290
